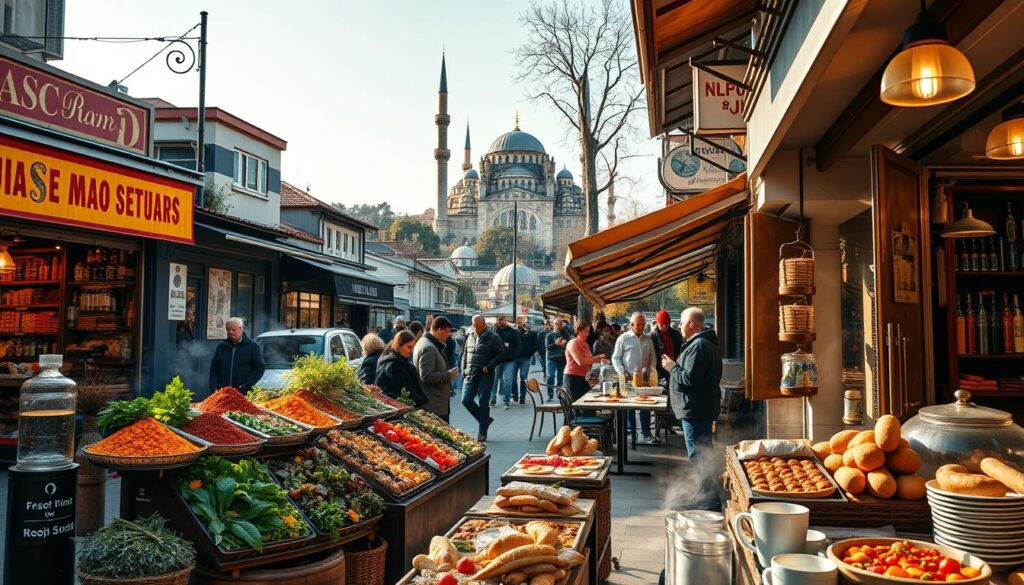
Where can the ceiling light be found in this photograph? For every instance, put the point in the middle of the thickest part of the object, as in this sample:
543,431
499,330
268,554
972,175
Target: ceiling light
1006,140
928,70
6,261
967,226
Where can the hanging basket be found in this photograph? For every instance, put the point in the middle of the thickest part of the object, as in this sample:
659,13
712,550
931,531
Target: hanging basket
796,322
796,268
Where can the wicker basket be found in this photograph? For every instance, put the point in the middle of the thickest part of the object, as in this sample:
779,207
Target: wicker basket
796,268
603,526
366,566
177,578
796,319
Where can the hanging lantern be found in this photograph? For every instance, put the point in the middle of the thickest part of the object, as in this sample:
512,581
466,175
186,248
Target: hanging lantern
1006,140
928,70
7,265
967,226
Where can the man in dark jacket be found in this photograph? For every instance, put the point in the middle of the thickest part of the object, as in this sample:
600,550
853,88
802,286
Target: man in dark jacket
696,397
237,361
429,358
503,374
521,370
481,354
667,341
555,342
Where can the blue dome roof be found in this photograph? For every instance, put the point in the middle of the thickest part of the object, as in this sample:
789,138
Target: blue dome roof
516,140
564,174
471,174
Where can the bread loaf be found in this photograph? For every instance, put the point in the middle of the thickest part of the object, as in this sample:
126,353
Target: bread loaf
861,438
1008,475
956,478
561,496
851,479
833,462
887,432
542,533
505,543
531,554
840,440
910,487
822,450
553,446
903,461
868,457
529,500
848,458
881,484
561,437
568,558
543,579
566,451
442,551
590,447
577,439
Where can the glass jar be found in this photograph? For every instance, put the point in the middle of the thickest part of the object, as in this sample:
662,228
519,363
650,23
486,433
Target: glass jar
46,419
702,556
609,378
799,370
853,407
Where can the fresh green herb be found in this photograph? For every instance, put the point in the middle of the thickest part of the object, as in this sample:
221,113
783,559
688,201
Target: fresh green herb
172,405
447,433
464,546
123,413
405,398
129,550
264,423
258,394
310,372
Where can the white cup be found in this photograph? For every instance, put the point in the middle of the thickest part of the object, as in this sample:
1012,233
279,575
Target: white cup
779,528
800,569
816,543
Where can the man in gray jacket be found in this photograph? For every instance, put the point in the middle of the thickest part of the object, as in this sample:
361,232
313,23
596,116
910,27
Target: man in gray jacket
481,354
432,366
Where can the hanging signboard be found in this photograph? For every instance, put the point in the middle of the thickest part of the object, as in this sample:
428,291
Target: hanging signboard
176,292
700,291
718,103
684,171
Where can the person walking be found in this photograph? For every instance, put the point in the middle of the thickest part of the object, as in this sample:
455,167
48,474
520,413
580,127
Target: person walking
373,347
417,329
482,352
605,342
634,353
667,341
578,360
542,347
399,325
452,352
521,369
434,369
396,373
237,361
504,374
554,343
387,332
696,395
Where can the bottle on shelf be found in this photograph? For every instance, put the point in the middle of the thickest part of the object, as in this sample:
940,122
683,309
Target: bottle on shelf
956,256
1018,327
974,255
1008,345
982,324
982,256
121,269
961,334
993,259
1011,237
111,267
90,266
965,257
1002,255
130,314
995,328
971,328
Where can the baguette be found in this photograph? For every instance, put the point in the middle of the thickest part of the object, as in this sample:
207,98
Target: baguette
517,558
423,562
501,502
533,501
523,575
514,578
543,579
568,510
567,451
542,533
552,448
505,543
1005,473
577,439
561,437
590,447
532,510
956,478
442,551
561,496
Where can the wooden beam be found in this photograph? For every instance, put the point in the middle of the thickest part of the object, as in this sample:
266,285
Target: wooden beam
867,110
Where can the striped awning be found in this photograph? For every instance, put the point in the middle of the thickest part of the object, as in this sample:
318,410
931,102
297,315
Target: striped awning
635,259
561,300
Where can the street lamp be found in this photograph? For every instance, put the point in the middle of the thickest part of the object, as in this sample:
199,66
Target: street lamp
515,250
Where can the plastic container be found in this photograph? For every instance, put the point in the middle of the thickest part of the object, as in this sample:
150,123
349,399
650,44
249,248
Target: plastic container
46,419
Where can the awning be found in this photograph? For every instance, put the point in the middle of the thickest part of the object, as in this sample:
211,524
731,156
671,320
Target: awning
348,286
561,300
632,260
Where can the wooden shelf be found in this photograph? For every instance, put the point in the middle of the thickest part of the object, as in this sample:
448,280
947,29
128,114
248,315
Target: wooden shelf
996,356
21,334
102,283
28,282
34,251
33,306
90,330
989,273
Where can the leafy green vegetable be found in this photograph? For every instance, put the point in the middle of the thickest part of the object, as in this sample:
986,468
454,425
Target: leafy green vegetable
128,550
171,406
329,379
123,413
264,423
405,398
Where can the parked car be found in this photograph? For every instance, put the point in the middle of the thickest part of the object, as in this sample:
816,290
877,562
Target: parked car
280,348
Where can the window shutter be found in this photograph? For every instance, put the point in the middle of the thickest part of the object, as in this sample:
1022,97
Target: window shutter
54,46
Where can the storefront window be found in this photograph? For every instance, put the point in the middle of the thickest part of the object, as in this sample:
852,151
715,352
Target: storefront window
244,301
305,310
860,342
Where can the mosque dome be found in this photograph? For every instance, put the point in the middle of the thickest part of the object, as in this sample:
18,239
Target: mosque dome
464,252
526,278
564,174
516,140
471,174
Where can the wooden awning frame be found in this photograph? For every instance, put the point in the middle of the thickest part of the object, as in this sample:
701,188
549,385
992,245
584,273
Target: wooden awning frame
563,299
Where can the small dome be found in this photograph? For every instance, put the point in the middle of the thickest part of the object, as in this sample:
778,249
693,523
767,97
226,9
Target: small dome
564,174
526,278
516,140
471,174
464,252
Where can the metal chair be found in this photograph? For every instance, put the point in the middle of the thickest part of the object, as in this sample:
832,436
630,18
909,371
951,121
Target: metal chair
533,387
592,424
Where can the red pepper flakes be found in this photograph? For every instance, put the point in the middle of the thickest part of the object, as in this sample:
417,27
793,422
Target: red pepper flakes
225,399
213,428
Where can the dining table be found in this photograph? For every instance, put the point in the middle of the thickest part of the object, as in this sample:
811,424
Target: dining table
596,401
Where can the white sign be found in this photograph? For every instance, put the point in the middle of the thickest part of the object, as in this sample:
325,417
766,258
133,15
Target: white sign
718,104
176,292
684,172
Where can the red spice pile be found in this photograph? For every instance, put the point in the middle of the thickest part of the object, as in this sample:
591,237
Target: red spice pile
216,430
228,399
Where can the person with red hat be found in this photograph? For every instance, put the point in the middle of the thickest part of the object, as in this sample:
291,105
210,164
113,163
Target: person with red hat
667,341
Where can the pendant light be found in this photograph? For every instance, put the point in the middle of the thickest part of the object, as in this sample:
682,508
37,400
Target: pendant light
7,265
967,226
928,70
1006,140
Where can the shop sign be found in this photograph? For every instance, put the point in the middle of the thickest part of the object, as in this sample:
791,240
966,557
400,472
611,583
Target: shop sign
45,184
176,292
350,289
35,95
700,292
683,171
717,103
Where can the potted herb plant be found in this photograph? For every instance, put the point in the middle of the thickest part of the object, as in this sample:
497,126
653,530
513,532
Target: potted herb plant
142,552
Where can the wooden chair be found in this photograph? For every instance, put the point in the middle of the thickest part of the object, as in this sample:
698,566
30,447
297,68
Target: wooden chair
593,425
541,409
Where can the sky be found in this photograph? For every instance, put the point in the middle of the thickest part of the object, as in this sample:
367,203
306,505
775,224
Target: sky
351,86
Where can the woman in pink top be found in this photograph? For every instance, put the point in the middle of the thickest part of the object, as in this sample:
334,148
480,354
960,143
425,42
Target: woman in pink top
578,360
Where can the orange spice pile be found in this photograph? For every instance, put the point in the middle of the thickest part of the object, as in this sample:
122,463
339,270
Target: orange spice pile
298,409
321,403
144,437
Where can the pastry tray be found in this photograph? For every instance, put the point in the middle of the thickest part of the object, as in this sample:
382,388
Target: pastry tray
733,461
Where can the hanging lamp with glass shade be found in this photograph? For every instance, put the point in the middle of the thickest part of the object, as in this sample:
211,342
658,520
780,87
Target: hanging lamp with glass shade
1006,140
967,226
928,70
6,261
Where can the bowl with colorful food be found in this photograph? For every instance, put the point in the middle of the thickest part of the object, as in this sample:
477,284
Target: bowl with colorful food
882,561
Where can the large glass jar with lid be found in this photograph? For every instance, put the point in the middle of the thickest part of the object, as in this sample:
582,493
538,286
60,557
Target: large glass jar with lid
964,433
799,370
46,418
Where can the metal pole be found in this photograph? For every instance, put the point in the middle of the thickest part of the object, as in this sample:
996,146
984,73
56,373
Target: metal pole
515,251
201,142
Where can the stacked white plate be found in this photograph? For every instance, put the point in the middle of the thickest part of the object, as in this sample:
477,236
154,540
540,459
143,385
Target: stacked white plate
990,528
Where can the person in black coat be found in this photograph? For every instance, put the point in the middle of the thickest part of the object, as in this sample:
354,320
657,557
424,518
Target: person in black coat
373,347
237,361
395,372
667,341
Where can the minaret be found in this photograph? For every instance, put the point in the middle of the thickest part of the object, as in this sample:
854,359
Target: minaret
441,155
466,165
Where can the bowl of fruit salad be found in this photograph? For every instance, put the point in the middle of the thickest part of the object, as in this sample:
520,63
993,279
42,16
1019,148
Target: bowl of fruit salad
882,561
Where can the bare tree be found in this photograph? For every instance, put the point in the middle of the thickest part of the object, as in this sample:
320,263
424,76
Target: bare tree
580,59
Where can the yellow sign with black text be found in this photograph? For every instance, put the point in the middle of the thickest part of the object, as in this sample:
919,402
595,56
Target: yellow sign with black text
46,184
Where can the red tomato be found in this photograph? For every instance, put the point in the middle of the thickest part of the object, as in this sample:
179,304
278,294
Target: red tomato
466,566
890,560
877,570
949,566
448,579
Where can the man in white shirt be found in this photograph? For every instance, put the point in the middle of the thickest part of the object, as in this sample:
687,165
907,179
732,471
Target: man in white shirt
634,352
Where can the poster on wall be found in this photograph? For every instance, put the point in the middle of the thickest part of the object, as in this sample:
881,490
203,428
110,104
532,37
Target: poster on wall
218,309
176,292
905,267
